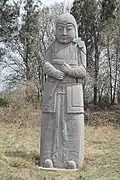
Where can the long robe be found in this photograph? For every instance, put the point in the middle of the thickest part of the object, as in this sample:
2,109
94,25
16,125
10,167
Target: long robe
62,131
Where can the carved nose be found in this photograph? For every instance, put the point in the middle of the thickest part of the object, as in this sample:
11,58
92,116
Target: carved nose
64,32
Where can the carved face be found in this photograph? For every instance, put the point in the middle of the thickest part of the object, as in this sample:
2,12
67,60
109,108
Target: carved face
65,32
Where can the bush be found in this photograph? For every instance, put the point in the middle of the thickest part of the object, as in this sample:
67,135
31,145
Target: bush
4,102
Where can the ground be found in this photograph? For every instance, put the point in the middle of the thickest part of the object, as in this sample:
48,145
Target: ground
20,144
19,154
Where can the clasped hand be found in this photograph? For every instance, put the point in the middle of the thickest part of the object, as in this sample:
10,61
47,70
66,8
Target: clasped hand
59,75
65,68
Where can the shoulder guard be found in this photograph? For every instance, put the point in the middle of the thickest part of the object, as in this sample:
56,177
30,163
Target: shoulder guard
79,42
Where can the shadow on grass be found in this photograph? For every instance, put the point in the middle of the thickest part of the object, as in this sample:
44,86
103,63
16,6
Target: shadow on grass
33,155
9,177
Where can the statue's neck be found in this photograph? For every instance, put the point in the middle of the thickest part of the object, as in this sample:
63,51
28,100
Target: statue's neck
62,44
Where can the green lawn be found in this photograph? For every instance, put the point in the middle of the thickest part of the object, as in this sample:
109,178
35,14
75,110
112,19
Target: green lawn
19,154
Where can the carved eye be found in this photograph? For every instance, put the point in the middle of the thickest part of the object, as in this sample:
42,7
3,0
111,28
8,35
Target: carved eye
60,28
69,28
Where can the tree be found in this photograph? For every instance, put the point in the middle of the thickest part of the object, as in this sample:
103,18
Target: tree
23,44
9,14
87,13
25,53
90,15
9,25
108,9
111,47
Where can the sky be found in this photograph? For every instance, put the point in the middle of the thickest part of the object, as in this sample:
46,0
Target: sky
48,2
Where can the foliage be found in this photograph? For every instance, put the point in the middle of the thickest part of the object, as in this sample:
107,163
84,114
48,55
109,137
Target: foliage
91,17
24,56
9,14
4,102
108,9
29,29
86,14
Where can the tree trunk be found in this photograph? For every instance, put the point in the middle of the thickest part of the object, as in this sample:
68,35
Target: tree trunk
26,61
96,69
116,75
110,72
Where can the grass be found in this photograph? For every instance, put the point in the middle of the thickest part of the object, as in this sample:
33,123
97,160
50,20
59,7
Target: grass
19,154
20,144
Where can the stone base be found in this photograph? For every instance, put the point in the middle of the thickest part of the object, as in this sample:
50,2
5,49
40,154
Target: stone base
56,169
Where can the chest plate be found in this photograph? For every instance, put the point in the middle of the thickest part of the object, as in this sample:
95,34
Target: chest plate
65,54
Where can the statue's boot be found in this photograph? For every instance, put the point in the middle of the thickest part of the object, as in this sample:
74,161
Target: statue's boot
48,163
72,165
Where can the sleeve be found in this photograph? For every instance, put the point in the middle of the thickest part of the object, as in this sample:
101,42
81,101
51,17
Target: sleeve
80,70
48,68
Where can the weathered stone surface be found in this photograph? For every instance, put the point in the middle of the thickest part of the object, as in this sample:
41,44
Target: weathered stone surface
62,131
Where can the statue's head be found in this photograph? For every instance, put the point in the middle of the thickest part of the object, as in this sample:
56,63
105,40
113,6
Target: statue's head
66,28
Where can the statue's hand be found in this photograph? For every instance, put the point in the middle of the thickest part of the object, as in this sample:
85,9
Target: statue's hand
59,75
65,68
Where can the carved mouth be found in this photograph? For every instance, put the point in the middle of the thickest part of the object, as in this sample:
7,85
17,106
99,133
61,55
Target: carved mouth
64,38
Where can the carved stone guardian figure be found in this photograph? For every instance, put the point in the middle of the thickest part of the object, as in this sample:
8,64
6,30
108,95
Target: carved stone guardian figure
62,130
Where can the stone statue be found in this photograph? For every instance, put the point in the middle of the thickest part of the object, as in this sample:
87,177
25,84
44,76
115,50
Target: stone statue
62,131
